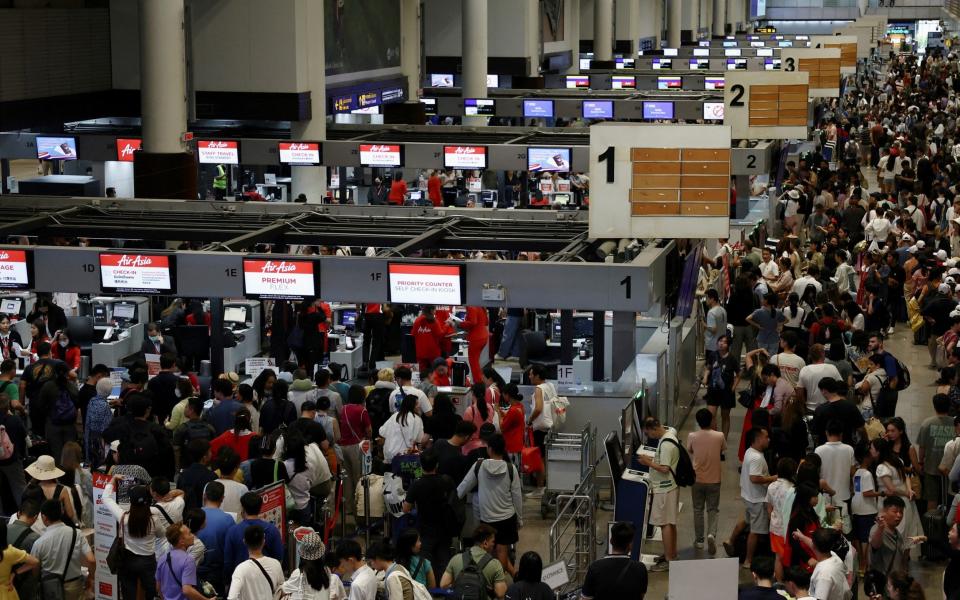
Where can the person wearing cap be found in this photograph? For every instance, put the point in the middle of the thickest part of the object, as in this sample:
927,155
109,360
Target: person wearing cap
312,580
45,473
177,570
62,551
143,526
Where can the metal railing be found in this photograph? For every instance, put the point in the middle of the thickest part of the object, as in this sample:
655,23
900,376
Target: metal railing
573,534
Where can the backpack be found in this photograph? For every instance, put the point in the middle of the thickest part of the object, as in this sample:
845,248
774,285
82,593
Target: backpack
140,447
685,476
420,591
378,406
194,430
64,411
469,584
903,375
455,512
6,445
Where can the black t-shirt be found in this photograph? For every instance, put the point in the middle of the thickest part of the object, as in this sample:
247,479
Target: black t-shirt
451,461
86,392
611,575
842,410
262,472
951,577
723,370
429,495
192,481
755,592
524,590
18,437
36,375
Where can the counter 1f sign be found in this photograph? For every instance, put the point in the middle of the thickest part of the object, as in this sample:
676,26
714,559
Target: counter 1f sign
280,279
299,153
16,269
465,157
421,283
218,152
126,147
137,273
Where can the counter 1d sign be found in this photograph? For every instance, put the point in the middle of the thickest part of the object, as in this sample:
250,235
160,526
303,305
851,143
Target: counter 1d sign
218,152
14,272
147,273
278,279
299,153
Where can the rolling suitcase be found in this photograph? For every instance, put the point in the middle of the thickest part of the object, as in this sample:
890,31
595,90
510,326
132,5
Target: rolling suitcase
935,528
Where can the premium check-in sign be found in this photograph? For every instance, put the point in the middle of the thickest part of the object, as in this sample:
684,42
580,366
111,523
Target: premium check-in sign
465,157
13,269
278,278
300,153
218,152
135,272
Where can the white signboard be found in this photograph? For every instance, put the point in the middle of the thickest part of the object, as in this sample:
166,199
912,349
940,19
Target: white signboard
254,366
216,152
566,375
147,273
104,532
299,153
381,155
465,157
555,575
418,283
737,105
687,579
278,279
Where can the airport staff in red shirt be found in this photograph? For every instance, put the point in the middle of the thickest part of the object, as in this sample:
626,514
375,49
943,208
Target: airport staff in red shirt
427,335
398,190
477,327
433,189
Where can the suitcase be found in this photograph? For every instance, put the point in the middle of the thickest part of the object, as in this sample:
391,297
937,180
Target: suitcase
935,528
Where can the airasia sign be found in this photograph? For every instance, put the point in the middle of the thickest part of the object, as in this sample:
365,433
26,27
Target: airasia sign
299,153
465,157
218,152
126,147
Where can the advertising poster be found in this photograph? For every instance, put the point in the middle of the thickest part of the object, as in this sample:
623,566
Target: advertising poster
548,159
56,148
361,35
253,366
274,506
13,269
425,284
104,532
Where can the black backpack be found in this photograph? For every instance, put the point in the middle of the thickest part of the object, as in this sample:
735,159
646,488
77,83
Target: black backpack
469,584
140,447
685,476
378,405
195,430
903,375
63,411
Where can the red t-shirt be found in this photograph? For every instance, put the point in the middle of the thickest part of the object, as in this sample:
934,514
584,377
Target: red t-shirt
69,355
433,191
511,425
427,337
356,421
238,443
477,323
398,191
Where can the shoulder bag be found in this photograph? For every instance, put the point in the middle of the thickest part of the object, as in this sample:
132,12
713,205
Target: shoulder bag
118,551
51,584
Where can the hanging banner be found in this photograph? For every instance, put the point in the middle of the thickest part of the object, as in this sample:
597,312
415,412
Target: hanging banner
104,532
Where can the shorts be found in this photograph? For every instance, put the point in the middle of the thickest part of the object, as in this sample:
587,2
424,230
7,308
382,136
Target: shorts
725,399
777,544
931,487
665,508
862,524
507,532
757,517
540,441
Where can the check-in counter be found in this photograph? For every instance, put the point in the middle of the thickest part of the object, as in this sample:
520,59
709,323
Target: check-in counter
250,345
112,354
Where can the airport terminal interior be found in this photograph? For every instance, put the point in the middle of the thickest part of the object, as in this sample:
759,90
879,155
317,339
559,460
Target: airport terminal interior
476,299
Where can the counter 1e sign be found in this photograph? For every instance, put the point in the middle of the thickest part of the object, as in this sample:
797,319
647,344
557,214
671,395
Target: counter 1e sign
381,155
126,147
465,157
16,269
280,279
299,153
421,283
136,273
218,152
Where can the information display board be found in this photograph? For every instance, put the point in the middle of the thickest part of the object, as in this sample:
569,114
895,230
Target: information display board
218,152
847,44
679,174
299,153
427,283
821,64
538,109
548,159
137,273
126,147
56,148
465,157
16,269
597,109
764,105
479,107
271,279
381,155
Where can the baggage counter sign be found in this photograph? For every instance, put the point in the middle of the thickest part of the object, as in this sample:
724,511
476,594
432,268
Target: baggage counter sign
15,269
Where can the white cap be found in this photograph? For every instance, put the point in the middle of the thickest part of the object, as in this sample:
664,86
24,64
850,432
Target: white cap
794,194
921,244
941,254
912,249
944,288
950,263
950,281
906,238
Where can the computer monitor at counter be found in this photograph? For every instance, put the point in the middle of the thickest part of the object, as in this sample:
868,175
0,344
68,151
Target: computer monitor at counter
124,311
235,314
582,328
348,319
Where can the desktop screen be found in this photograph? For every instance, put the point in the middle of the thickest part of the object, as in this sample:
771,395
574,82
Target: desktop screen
348,318
538,108
597,109
123,310
235,314
441,80
11,306
657,110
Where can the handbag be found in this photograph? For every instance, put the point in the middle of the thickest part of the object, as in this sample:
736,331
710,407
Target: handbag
745,398
916,485
117,552
51,584
874,428
531,460
295,337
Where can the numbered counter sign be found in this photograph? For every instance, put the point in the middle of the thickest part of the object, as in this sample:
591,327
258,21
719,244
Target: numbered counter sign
659,180
766,105
821,64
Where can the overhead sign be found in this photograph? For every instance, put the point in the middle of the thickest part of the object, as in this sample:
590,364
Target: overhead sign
465,157
218,152
16,269
426,283
299,153
280,279
381,155
136,273
343,104
766,105
847,44
126,147
368,99
821,64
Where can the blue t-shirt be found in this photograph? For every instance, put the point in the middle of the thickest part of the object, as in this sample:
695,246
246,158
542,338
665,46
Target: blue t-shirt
419,571
214,535
175,570
235,551
222,415
767,334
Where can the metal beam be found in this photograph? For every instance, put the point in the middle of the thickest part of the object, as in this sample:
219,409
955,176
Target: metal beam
427,239
31,224
270,232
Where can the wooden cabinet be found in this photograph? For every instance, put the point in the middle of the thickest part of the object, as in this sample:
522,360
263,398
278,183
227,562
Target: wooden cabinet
783,105
680,182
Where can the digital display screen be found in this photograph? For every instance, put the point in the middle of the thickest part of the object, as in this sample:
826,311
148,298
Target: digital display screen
756,44
713,83
701,51
381,155
735,64
731,52
669,51
657,110
280,279
803,37
765,52
622,82
662,63
713,111
56,148
548,159
597,109
624,63
299,153
538,108
700,63
235,314
585,63
441,80
218,152
421,283
785,43
124,311
729,44
368,99
578,81
137,273
343,104
669,83
770,64
429,106
126,147
465,157
16,270
493,81
473,107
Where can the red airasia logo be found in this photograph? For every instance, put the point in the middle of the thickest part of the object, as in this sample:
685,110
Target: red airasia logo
126,147
281,267
134,261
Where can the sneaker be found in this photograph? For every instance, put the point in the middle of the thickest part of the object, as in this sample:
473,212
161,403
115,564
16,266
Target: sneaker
660,567
537,493
698,544
729,549
711,544
890,331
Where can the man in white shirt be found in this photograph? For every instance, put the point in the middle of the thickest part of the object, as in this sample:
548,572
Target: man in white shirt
952,450
829,578
768,266
754,479
363,579
808,384
811,278
879,228
259,576
404,377
837,462
787,360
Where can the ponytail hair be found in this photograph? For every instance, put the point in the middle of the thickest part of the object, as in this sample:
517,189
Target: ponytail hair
772,300
794,301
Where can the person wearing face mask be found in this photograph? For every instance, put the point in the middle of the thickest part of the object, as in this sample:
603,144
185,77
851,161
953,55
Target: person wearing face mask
67,351
11,345
154,343
377,194
428,337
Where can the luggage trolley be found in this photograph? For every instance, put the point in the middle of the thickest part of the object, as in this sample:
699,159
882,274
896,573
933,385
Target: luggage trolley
569,457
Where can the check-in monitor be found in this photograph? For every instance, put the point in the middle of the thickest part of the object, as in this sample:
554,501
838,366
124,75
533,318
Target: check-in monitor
701,51
670,52
597,109
731,52
124,311
235,314
348,318
11,306
765,52
713,83
473,107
